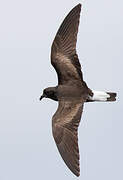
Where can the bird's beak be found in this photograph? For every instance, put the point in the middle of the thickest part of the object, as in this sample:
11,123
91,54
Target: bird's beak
42,97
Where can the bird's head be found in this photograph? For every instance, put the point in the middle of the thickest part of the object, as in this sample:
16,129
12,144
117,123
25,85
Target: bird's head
49,92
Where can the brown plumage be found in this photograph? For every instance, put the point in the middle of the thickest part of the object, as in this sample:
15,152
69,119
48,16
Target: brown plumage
65,131
63,51
71,92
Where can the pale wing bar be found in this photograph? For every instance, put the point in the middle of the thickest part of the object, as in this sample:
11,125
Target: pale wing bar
65,131
64,48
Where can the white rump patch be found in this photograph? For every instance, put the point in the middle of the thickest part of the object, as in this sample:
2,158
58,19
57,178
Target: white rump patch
99,96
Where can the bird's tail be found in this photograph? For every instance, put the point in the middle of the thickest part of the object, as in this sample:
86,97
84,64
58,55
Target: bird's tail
102,96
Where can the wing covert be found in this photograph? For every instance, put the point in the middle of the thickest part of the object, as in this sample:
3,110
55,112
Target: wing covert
63,52
65,131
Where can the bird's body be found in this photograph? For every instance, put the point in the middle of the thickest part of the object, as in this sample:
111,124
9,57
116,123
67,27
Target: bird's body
71,92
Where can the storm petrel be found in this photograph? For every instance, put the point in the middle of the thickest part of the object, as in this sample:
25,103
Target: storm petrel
71,92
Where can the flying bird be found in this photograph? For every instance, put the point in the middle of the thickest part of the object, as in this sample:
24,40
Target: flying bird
71,92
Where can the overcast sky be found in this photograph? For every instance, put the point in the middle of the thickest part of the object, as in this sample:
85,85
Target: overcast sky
27,148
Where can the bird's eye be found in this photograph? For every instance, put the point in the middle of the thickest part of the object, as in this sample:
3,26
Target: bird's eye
51,92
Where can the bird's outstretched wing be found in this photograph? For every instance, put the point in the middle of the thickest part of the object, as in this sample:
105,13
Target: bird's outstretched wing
63,52
65,124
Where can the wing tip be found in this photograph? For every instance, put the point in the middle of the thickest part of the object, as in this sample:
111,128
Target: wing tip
77,173
76,170
79,5
77,8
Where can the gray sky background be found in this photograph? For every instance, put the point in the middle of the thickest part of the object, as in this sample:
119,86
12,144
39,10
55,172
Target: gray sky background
27,148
